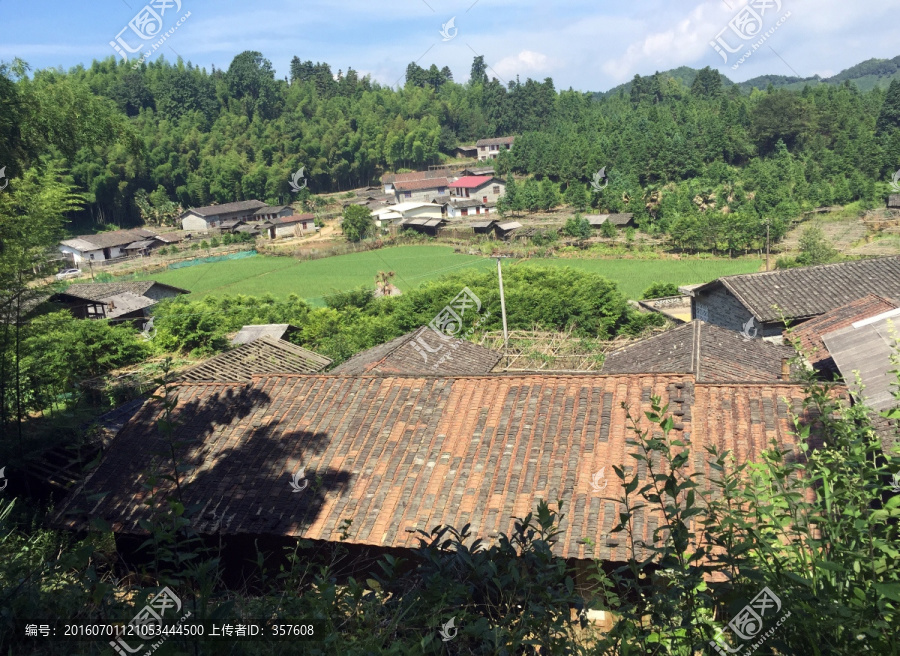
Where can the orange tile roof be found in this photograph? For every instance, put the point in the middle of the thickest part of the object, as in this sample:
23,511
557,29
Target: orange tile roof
396,453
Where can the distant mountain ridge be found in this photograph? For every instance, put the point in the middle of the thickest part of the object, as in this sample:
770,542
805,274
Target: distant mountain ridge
866,76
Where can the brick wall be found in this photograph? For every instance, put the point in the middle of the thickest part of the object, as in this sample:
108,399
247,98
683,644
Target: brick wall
719,307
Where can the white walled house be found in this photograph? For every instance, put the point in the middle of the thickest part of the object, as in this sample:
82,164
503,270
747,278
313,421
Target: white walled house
203,219
290,226
417,210
458,208
102,246
490,148
485,188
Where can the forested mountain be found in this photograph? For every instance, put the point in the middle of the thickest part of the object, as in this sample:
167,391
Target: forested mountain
866,76
706,164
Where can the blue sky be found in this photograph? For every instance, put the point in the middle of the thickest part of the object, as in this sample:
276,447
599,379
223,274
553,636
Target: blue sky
590,46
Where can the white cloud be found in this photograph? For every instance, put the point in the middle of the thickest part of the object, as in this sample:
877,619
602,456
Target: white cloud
526,62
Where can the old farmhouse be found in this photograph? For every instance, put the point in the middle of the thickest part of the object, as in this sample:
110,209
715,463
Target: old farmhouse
106,245
203,219
762,302
422,191
120,301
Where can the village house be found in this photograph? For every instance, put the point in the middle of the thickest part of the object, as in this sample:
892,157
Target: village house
389,180
273,213
761,303
103,246
490,148
465,151
265,354
485,188
119,301
618,220
432,451
290,225
422,191
204,219
457,208
894,202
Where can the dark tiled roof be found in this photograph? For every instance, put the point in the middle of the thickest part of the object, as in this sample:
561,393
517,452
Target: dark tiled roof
398,453
248,334
455,357
296,218
126,303
894,200
146,243
97,291
390,178
496,141
866,348
711,353
261,356
271,209
226,208
810,291
809,333
113,238
418,185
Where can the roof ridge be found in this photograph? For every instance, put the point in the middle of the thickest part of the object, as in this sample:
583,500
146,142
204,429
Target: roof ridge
807,268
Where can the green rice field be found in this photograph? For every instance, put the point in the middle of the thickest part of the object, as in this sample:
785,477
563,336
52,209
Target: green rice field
413,265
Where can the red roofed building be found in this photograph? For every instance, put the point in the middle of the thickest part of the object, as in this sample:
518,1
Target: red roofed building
485,188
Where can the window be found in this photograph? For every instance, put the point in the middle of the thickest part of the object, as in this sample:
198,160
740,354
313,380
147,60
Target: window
407,194
92,256
493,147
496,190
465,211
442,191
484,200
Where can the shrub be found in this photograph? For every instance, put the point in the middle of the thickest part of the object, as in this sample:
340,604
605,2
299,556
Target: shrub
204,244
608,230
195,246
578,227
228,238
660,290
214,242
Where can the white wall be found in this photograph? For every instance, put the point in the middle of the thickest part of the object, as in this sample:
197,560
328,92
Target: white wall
194,223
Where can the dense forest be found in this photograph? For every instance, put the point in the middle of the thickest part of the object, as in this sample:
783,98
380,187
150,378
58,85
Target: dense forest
706,164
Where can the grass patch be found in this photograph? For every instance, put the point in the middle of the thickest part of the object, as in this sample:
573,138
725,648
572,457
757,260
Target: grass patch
312,280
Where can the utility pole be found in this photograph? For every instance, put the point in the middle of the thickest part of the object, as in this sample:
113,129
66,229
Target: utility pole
768,224
503,312
91,264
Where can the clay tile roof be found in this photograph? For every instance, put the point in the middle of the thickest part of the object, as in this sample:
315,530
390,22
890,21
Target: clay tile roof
250,333
264,355
496,141
417,185
97,291
809,333
810,291
396,453
391,178
126,303
710,353
225,208
108,239
404,355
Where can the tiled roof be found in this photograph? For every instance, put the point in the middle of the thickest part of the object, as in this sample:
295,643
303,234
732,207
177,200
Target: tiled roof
712,354
809,333
418,185
865,348
894,200
395,454
126,303
97,291
274,330
141,244
226,208
810,291
472,181
261,356
509,225
615,219
404,355
496,141
296,218
391,178
271,209
107,239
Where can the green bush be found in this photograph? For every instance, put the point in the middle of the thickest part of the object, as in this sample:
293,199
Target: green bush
660,290
214,242
195,246
577,226
228,238
204,244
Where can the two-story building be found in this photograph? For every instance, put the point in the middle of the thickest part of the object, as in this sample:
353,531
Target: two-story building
490,148
421,191
203,219
485,188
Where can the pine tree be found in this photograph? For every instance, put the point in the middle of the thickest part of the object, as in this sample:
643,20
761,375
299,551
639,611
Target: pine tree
889,117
